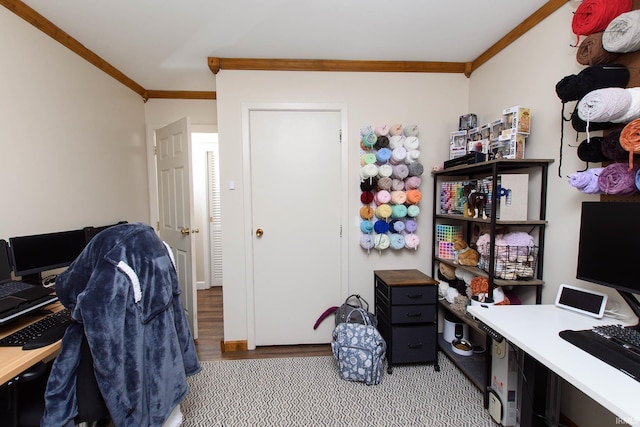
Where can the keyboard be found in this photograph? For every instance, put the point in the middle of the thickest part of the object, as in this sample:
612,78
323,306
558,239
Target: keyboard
613,344
41,333
12,287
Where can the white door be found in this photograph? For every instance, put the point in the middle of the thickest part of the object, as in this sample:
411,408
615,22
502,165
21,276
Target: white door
175,199
296,218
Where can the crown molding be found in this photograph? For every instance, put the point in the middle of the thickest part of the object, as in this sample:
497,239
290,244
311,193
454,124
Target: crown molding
266,64
179,94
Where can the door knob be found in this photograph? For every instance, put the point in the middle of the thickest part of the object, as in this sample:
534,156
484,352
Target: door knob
195,230
185,231
259,232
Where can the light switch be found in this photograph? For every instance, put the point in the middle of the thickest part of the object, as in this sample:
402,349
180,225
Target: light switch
232,185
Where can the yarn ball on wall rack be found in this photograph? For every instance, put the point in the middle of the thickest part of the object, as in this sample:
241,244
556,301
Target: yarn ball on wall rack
390,181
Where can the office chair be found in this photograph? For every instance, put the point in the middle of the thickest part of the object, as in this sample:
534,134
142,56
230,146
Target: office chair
123,293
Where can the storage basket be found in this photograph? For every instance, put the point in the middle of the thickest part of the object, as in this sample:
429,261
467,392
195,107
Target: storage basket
448,233
511,262
445,250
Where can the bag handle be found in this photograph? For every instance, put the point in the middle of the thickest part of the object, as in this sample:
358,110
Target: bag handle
360,301
363,314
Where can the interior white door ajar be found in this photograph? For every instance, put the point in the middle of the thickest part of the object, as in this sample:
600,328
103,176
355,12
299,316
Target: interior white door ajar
175,198
296,217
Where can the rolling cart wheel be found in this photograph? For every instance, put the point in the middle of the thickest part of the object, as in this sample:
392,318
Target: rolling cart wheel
436,367
389,369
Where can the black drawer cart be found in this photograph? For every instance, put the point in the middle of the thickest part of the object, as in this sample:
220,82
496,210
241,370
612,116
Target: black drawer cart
406,309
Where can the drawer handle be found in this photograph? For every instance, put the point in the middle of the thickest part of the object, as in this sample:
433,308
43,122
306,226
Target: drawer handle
414,296
414,314
415,346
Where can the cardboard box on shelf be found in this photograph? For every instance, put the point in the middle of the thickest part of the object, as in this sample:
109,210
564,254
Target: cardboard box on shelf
485,131
475,142
510,145
513,191
468,121
517,118
496,128
480,146
457,144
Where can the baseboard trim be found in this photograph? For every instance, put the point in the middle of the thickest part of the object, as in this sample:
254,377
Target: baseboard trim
233,346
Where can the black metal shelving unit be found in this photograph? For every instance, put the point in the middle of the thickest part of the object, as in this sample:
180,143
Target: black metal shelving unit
477,367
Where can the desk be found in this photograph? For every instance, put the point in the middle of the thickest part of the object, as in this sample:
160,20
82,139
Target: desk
15,360
534,329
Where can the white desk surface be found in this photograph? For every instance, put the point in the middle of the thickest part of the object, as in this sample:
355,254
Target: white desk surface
534,329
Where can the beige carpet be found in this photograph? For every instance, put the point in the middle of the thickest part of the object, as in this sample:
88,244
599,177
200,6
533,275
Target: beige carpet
307,391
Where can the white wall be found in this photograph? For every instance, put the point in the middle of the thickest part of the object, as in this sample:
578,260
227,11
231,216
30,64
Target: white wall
73,138
432,101
526,73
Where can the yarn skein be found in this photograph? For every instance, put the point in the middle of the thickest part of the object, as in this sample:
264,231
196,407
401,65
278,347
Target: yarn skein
591,150
384,183
630,139
617,179
411,241
604,105
586,181
591,52
366,226
623,33
397,184
633,112
592,16
580,125
576,86
369,140
381,142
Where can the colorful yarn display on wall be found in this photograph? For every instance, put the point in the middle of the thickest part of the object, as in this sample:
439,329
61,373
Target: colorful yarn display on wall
607,96
390,179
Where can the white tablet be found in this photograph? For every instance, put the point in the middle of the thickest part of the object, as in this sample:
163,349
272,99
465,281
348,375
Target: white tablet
583,301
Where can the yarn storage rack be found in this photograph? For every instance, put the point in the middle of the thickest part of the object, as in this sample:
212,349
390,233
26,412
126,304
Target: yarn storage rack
632,61
477,367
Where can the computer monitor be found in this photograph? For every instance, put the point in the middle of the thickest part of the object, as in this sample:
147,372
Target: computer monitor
90,232
609,248
34,254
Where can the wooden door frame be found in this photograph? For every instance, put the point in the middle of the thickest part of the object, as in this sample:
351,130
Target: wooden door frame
344,197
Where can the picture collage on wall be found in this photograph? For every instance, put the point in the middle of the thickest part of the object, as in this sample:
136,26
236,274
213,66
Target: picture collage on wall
390,179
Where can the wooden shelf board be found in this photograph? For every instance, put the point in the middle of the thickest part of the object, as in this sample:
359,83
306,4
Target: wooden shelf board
486,167
500,282
457,217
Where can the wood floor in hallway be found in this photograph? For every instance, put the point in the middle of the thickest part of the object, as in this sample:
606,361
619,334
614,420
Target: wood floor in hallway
210,335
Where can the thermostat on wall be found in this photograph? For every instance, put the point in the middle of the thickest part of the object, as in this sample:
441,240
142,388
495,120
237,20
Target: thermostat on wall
583,301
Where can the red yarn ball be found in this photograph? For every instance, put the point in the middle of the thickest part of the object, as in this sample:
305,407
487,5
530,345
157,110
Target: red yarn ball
593,16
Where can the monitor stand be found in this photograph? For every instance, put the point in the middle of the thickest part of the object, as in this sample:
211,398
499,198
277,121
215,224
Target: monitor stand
34,279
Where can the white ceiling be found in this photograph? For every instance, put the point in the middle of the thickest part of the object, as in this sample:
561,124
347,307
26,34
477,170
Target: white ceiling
164,44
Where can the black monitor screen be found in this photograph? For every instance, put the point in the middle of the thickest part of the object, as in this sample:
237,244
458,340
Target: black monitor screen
42,252
609,246
5,264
